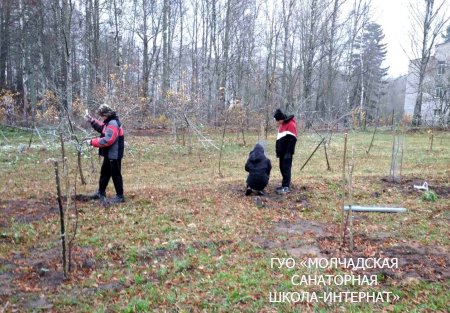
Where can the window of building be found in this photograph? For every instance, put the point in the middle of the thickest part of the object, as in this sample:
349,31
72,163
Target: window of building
441,67
440,92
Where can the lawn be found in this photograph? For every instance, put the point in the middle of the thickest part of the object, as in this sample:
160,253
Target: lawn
188,240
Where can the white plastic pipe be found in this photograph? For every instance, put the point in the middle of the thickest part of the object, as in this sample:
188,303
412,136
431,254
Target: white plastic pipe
358,208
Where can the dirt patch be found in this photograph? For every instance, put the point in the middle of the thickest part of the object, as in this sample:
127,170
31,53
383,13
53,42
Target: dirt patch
406,185
32,210
112,286
296,200
38,271
41,303
311,250
303,238
422,262
7,269
26,211
442,191
175,250
300,227
427,262
298,238
178,249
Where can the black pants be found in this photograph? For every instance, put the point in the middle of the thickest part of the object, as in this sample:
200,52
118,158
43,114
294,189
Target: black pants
257,182
111,168
285,169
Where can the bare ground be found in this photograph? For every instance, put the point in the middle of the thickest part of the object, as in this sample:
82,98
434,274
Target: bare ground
303,238
38,271
406,185
26,210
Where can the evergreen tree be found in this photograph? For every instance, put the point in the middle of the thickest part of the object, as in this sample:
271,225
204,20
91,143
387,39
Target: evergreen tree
369,76
446,36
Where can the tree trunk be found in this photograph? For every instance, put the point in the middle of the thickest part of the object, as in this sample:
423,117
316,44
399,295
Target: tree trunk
166,56
5,14
145,61
417,117
225,61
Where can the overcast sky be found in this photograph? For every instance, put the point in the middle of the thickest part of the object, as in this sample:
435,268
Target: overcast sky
393,16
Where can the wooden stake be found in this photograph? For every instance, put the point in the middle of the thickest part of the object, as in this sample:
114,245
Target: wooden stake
431,143
401,157
323,139
371,142
92,163
75,228
61,216
391,172
350,197
63,150
223,140
80,168
243,131
344,161
31,139
326,156
392,121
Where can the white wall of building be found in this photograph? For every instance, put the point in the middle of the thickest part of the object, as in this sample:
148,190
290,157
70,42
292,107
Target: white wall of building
432,80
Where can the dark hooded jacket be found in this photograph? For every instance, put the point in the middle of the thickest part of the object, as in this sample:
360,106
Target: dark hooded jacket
258,166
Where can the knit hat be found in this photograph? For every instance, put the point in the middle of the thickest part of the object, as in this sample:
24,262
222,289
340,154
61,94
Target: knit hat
105,110
279,115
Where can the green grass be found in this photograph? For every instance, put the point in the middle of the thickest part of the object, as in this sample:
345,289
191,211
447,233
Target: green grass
137,305
429,196
206,231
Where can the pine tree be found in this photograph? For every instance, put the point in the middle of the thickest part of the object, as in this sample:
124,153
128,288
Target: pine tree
446,36
368,73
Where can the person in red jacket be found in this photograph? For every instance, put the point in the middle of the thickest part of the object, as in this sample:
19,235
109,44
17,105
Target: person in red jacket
285,147
111,147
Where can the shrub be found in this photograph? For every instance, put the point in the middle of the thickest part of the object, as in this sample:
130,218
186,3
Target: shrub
429,196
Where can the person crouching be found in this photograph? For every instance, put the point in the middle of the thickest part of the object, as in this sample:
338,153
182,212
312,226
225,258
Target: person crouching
258,166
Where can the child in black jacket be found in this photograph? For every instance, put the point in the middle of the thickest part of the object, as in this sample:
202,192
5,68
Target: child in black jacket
258,166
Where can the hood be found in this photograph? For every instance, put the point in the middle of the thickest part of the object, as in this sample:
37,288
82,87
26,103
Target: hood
112,117
290,117
257,153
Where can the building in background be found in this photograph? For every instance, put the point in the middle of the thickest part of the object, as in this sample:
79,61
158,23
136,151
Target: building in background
436,88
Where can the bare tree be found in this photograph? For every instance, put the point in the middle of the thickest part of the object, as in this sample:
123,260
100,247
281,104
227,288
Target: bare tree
288,8
92,50
148,30
333,53
5,22
270,43
134,54
357,19
166,47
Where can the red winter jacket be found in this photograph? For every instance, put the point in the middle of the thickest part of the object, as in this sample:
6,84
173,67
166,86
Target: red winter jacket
111,140
286,137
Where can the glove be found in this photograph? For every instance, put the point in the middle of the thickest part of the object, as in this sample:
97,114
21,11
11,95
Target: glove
287,156
87,117
87,142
